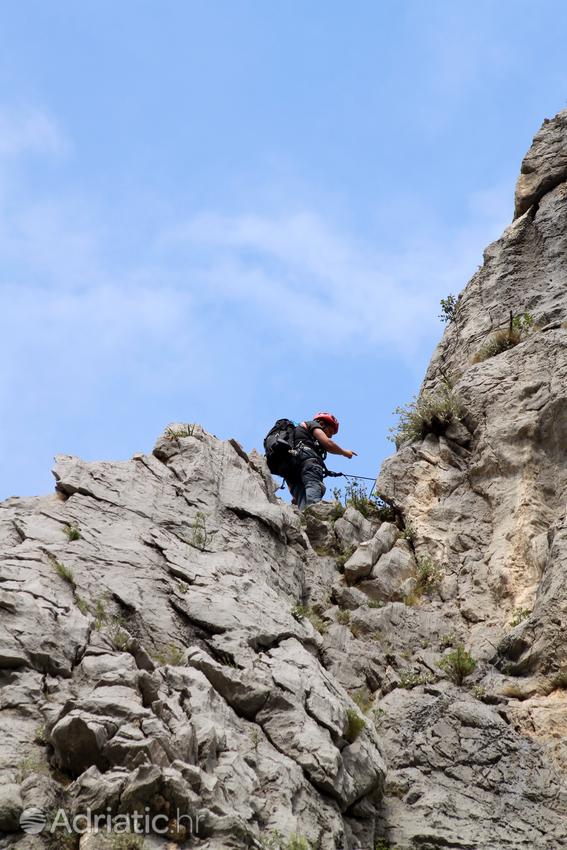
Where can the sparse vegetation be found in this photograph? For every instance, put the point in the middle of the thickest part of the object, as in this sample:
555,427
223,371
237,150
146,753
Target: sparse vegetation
39,735
355,725
520,614
458,664
82,605
408,533
448,308
172,433
30,765
200,537
343,617
379,716
72,531
375,603
356,496
559,681
299,611
344,556
276,841
410,679
100,612
518,329
428,576
171,655
447,640
363,698
478,692
125,841
66,573
431,413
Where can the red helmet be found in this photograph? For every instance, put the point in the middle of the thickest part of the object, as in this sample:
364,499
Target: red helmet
329,419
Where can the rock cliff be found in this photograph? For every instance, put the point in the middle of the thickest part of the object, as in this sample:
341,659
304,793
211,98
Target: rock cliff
176,643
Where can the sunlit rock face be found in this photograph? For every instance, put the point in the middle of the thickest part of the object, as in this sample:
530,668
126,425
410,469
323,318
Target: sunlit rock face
183,652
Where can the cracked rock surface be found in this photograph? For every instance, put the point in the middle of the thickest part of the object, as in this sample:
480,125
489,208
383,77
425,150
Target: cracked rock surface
175,639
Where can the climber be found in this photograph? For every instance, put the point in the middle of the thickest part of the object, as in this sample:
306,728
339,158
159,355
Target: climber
313,439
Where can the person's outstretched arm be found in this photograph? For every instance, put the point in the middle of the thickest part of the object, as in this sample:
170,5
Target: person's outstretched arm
330,445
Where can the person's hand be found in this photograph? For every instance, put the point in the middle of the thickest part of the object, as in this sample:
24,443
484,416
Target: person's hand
348,453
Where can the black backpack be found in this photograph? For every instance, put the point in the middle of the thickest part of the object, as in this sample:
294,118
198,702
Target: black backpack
279,445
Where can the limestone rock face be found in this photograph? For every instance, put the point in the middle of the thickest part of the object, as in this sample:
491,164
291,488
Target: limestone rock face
177,641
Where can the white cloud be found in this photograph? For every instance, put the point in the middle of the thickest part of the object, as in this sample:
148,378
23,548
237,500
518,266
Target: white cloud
28,130
315,283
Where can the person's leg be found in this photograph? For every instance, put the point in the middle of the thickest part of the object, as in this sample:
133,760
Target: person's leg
312,475
297,491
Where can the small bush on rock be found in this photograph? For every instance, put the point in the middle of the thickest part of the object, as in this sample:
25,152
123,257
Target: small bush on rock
410,679
518,328
172,655
431,413
448,308
66,573
72,531
520,614
355,725
457,665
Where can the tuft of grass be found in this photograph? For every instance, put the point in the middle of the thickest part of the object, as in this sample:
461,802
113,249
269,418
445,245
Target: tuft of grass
276,841
125,841
428,576
410,679
82,605
363,698
29,766
172,433
520,614
299,611
559,681
447,640
457,665
518,328
375,603
39,735
72,531
100,612
344,556
343,617
355,725
408,533
182,587
171,655
200,537
356,496
430,413
66,573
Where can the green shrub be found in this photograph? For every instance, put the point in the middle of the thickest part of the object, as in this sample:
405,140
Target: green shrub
408,533
428,576
344,556
520,614
559,681
356,496
343,617
355,725
518,328
299,611
457,665
172,433
200,537
72,531
171,655
363,698
82,604
410,679
448,308
66,573
375,603
431,413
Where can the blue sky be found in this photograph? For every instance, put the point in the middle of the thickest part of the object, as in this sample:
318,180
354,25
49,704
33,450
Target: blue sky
228,212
